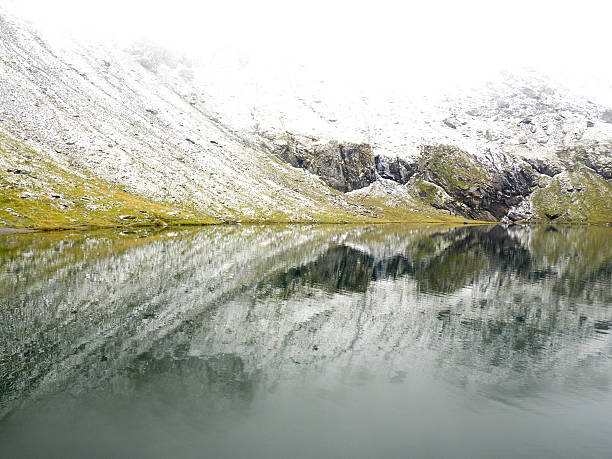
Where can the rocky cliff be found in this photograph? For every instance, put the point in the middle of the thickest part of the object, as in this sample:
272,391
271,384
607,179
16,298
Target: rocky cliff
571,185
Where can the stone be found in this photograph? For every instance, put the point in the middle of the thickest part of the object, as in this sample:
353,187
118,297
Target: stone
449,123
395,169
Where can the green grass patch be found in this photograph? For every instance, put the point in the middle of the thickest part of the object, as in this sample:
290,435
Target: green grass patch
37,193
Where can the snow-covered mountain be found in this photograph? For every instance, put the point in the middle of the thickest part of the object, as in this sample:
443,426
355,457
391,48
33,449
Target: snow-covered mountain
99,134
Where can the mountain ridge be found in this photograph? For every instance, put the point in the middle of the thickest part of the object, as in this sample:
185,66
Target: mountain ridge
93,135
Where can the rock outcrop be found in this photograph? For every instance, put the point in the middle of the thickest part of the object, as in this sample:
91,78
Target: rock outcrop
395,169
494,187
478,189
444,176
597,157
342,166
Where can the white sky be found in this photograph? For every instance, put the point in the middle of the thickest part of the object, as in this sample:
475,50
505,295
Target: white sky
378,39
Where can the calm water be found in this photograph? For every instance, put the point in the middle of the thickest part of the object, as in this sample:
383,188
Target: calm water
307,342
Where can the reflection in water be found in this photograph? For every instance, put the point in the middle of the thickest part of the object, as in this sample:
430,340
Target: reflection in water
179,337
340,268
343,268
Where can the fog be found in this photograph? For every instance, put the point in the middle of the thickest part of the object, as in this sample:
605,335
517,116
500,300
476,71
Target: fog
403,44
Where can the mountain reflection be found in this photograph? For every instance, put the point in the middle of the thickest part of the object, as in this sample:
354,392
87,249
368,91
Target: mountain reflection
466,252
341,268
228,310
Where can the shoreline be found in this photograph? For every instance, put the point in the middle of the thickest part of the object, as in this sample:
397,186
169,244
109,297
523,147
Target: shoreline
9,230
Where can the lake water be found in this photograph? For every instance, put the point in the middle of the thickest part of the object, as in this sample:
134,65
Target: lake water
307,342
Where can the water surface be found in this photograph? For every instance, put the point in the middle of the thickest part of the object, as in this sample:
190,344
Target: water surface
307,341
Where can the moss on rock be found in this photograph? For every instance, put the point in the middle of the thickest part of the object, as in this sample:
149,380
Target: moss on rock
575,196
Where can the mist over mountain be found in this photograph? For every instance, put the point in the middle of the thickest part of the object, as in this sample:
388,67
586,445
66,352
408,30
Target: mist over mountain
241,115
305,229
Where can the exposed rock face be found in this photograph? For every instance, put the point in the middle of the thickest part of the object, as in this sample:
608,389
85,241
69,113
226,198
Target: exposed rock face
343,166
548,168
574,186
478,190
395,169
511,187
443,176
493,187
597,157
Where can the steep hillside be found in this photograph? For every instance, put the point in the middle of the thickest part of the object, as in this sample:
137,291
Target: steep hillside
101,135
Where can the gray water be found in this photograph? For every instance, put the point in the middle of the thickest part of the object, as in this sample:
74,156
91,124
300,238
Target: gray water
307,342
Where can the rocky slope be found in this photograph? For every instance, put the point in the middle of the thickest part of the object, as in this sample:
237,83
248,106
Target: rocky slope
104,135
